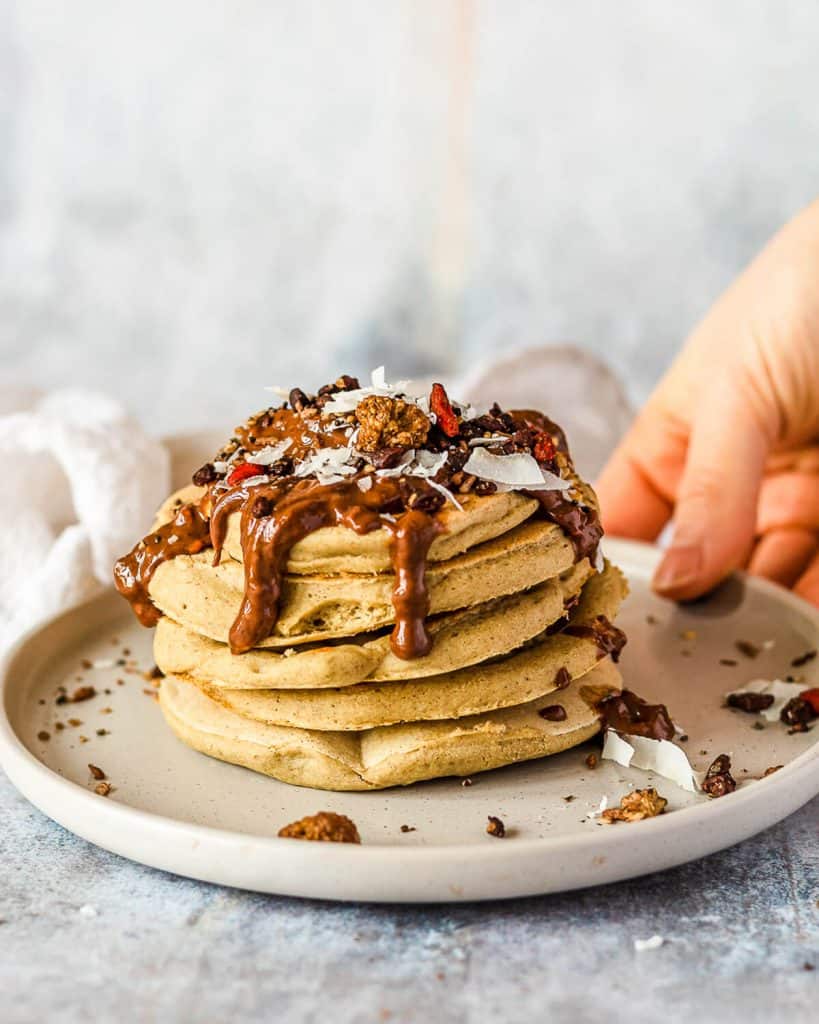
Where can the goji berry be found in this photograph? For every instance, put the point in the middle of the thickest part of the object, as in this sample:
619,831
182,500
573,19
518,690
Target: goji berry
812,697
544,449
243,472
444,413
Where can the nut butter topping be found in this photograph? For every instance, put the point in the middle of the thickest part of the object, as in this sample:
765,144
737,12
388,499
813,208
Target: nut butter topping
630,715
268,539
186,534
366,459
609,638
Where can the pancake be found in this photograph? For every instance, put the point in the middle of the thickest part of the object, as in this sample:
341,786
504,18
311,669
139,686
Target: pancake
336,549
396,755
205,599
531,672
460,638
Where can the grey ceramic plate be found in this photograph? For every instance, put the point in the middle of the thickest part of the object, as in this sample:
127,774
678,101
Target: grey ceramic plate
177,810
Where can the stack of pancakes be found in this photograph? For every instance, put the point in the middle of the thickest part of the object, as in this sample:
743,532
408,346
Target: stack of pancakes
517,665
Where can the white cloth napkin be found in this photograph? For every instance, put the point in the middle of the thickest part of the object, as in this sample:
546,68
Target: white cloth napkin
81,482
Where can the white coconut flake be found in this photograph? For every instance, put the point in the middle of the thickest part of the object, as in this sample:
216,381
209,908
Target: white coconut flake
616,749
782,692
479,442
365,483
647,945
346,401
103,663
602,806
328,462
599,559
254,481
519,470
446,493
659,756
269,454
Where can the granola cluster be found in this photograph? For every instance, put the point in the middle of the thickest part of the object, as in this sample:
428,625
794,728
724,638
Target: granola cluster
718,779
390,423
324,827
635,806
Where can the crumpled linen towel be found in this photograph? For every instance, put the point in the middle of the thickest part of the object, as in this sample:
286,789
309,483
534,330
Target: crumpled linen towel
81,481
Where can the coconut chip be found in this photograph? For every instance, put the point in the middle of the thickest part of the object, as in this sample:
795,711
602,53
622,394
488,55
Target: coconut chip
346,401
516,471
659,756
269,454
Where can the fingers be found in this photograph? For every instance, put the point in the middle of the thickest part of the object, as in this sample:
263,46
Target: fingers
807,585
788,499
783,555
715,516
636,488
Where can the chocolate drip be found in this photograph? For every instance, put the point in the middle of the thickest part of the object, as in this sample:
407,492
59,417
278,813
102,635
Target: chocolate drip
412,536
609,639
580,523
186,534
227,502
267,542
630,715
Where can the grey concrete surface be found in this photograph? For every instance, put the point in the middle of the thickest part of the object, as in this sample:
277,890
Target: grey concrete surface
85,936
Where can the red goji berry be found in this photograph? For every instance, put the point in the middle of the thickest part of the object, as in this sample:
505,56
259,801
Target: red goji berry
812,697
444,413
544,449
243,472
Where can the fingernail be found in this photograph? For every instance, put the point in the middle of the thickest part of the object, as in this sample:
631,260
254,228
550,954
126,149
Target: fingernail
680,567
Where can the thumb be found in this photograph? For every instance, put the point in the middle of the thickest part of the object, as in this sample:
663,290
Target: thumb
715,514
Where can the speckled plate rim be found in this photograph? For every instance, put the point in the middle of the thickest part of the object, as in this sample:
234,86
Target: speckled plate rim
438,873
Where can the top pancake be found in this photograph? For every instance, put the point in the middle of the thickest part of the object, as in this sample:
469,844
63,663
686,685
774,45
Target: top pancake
205,598
337,549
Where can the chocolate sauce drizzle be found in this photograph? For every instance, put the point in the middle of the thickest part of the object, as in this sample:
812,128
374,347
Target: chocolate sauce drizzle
630,715
276,516
294,514
186,534
609,639
580,523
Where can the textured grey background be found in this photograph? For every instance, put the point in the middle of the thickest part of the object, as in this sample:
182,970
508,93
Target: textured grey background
197,199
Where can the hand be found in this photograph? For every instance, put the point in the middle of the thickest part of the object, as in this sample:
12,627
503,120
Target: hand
728,443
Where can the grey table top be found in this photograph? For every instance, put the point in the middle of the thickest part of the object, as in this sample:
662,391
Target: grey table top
86,936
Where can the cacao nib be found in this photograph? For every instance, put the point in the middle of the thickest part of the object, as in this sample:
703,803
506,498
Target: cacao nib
484,487
496,827
797,713
553,713
419,495
262,508
751,702
387,458
205,475
299,400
